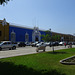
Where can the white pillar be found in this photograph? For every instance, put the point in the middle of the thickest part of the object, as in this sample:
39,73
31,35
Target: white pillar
33,38
39,38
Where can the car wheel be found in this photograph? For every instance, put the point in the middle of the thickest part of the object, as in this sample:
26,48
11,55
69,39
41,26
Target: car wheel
14,47
0,48
37,50
9,48
44,50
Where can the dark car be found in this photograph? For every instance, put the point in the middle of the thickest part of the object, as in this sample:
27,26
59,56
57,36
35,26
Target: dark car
21,44
50,44
54,44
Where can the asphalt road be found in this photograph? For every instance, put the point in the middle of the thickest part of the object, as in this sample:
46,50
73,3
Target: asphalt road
25,50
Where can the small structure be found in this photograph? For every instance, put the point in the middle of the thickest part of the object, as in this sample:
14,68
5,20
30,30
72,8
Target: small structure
40,48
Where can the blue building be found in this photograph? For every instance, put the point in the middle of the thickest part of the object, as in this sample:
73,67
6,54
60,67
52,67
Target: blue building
24,34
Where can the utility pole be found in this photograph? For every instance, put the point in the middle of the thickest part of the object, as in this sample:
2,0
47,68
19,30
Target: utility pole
51,40
74,37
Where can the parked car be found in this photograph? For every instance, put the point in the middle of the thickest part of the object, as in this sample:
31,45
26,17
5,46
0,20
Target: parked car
47,43
61,43
7,44
54,44
27,43
34,44
41,44
51,44
73,43
21,44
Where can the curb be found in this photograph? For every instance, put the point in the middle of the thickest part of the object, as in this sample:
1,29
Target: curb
67,63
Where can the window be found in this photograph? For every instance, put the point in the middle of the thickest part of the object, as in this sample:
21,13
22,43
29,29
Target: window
5,43
0,33
9,42
26,37
13,36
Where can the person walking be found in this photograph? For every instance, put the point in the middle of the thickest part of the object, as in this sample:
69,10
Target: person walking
65,45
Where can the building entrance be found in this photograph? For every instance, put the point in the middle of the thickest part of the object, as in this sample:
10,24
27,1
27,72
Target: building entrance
36,35
36,39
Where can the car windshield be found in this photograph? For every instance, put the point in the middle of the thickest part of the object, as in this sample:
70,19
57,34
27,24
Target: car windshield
1,43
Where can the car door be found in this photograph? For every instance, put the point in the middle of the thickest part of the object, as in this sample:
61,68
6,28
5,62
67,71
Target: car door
9,44
4,45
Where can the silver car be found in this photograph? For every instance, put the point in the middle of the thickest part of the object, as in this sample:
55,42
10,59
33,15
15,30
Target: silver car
41,44
7,44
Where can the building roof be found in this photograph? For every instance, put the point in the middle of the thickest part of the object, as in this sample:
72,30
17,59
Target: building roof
27,27
21,26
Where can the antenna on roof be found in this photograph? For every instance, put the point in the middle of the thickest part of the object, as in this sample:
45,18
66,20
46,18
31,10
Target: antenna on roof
34,21
37,24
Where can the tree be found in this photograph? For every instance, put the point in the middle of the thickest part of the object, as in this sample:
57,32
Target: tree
3,2
48,37
56,38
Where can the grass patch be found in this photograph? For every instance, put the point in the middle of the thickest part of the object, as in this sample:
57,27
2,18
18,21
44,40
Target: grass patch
46,63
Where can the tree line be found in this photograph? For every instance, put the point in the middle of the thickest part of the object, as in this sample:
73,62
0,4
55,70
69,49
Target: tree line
49,37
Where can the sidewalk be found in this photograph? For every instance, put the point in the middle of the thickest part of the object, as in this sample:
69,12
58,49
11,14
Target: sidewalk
26,50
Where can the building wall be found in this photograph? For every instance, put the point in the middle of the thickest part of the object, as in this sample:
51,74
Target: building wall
42,33
4,32
20,33
66,37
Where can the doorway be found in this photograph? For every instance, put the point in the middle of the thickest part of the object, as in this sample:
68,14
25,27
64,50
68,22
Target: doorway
36,39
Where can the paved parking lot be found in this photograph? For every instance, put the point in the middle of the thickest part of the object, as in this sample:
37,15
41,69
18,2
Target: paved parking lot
25,50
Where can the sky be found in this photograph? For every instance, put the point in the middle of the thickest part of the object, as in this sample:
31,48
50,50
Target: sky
57,15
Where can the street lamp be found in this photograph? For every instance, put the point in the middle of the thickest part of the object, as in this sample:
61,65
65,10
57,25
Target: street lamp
51,39
74,37
50,29
50,33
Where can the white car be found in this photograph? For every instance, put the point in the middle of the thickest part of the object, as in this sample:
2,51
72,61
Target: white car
34,44
7,44
61,43
40,44
47,43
